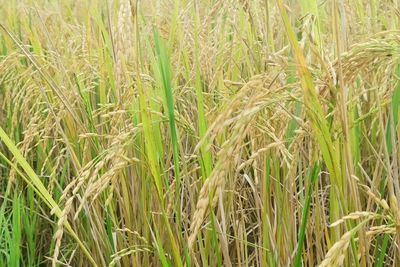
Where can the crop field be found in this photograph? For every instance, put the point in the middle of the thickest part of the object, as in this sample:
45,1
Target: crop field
199,133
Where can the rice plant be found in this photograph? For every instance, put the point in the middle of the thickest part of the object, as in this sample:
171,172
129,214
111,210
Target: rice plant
199,133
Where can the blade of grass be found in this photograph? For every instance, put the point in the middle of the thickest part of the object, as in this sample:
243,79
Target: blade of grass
318,122
150,144
165,70
313,175
15,242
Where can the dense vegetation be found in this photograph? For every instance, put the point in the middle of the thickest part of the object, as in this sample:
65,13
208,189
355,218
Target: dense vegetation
199,133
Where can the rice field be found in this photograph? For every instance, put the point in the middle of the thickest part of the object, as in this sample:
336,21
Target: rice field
200,133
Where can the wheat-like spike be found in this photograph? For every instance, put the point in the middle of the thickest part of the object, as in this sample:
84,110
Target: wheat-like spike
124,38
228,156
335,255
60,230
